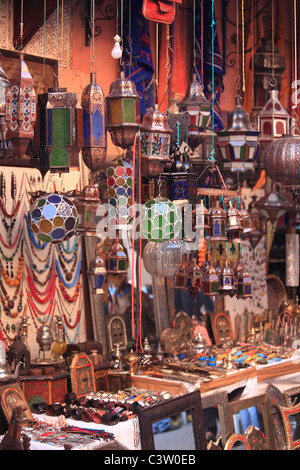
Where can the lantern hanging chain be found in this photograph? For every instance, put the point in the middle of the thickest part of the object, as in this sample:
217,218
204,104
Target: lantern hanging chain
273,80
44,45
237,77
212,154
21,25
243,45
295,47
156,61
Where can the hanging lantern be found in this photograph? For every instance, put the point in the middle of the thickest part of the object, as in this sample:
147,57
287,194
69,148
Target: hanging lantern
281,160
201,156
199,110
117,261
245,220
163,259
273,120
155,143
182,181
53,218
123,112
58,131
234,226
96,273
161,220
193,278
258,224
178,122
217,223
227,280
90,211
21,111
182,272
210,282
238,143
273,206
244,284
120,194
94,125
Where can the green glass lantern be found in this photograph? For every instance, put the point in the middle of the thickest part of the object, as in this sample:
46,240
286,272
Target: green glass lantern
123,112
155,143
161,220
117,261
58,131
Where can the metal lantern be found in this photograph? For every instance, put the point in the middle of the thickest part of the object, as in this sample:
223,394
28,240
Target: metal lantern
90,210
193,278
161,220
53,218
217,223
281,160
273,120
163,259
155,142
199,109
182,181
117,261
210,282
20,112
123,112
227,280
238,142
182,272
97,273
59,131
234,227
245,220
258,224
244,284
273,206
94,125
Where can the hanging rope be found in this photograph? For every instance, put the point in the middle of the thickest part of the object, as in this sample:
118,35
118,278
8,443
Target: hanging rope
295,45
243,45
213,78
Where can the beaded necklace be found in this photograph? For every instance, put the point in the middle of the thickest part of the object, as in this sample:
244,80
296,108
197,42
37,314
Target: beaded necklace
16,207
76,325
7,339
38,295
69,249
68,285
62,259
9,303
49,281
69,314
34,266
12,280
36,279
35,311
38,245
32,251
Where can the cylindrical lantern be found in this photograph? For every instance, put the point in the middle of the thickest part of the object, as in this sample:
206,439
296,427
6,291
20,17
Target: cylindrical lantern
199,110
292,259
97,273
59,131
94,125
238,143
53,218
273,120
163,259
90,211
20,113
155,142
123,112
281,160
182,181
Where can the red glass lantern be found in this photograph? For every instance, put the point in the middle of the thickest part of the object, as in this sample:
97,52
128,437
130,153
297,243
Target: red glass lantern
273,120
21,111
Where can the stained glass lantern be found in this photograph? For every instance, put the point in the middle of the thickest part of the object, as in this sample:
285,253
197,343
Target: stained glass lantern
94,125
238,142
273,120
182,181
273,206
117,261
53,218
258,224
199,110
58,135
217,223
234,227
90,210
21,110
161,220
210,282
155,143
244,284
227,280
123,112
281,160
97,273
120,194
193,279
182,272
163,259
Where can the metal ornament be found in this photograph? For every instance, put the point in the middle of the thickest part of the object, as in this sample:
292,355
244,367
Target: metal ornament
155,143
281,160
58,134
94,125
97,273
21,110
238,142
273,120
163,259
123,112
199,110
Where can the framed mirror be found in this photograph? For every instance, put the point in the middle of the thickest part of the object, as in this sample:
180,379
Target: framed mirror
292,396
190,437
216,414
237,442
254,411
291,423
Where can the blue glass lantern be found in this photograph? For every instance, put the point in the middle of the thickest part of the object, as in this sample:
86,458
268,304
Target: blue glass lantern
97,273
